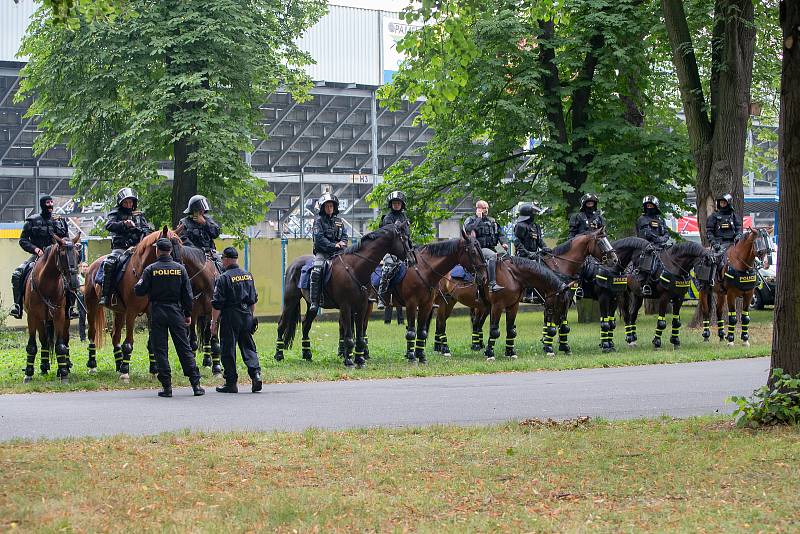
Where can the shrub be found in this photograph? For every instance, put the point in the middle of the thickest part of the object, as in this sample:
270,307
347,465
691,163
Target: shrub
775,404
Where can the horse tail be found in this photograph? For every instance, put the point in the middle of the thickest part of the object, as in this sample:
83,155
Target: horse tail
99,326
292,296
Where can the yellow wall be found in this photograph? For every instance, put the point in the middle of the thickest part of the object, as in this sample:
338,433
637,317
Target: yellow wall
265,264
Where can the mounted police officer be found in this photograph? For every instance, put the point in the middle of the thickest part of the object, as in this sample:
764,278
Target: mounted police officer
489,235
330,237
166,283
200,230
127,226
651,225
396,203
588,219
724,226
234,303
37,235
528,239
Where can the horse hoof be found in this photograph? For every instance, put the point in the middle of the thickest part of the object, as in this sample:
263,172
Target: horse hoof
348,362
125,377
705,340
632,344
307,354
64,380
512,356
278,356
206,361
746,344
422,360
92,371
447,354
359,366
27,379
476,347
731,343
490,358
153,376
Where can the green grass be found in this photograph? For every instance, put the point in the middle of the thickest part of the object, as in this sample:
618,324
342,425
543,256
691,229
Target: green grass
637,476
387,346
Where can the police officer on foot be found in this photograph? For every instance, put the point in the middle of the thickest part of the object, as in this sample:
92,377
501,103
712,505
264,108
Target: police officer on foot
166,283
234,302
330,237
37,235
588,219
724,226
489,235
650,225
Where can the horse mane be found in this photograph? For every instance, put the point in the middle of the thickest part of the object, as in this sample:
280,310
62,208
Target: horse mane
687,248
630,242
151,238
372,236
544,272
440,249
194,254
563,247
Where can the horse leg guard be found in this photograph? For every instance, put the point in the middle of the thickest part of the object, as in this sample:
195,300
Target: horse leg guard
661,324
550,332
61,360
563,332
477,341
125,367
731,326
411,338
206,354
348,348
419,348
366,348
306,351
91,362
706,330
44,364
605,330
279,350
721,329
359,355
341,351
30,352
628,334
675,338
437,343
153,368
510,337
745,326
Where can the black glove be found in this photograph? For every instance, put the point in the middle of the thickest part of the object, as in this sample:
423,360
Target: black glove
715,247
254,325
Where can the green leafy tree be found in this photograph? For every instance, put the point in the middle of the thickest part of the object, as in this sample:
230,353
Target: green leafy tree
531,101
176,80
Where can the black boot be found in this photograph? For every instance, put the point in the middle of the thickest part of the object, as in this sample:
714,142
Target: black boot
383,287
315,289
108,286
492,270
257,384
16,286
229,387
72,313
197,388
166,389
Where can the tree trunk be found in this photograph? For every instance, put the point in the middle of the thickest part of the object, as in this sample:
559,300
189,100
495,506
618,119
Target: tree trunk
588,311
786,334
184,182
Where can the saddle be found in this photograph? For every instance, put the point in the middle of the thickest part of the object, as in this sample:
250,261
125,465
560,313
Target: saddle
597,278
397,277
119,272
459,273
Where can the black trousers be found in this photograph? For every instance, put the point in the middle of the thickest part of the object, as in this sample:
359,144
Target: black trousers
168,319
234,329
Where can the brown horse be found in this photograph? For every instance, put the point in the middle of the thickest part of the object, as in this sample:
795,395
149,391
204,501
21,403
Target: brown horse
418,288
565,260
125,306
347,290
203,274
516,275
45,302
736,278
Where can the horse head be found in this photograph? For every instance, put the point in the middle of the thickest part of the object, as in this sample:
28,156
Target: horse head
601,248
67,258
471,257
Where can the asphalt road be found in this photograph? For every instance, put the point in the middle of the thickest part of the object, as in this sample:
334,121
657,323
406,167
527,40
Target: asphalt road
678,390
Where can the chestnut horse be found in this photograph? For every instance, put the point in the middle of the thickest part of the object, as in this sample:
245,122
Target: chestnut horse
125,305
347,290
202,274
737,277
45,302
418,289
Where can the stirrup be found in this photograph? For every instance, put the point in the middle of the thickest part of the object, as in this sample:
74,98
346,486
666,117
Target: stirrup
16,311
647,290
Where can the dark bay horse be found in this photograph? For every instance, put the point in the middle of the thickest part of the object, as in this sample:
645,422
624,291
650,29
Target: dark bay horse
668,281
54,273
418,289
203,274
736,278
125,306
347,290
515,274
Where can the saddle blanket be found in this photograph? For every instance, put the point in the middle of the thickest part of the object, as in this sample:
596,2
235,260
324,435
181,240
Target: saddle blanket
375,277
304,282
101,272
460,273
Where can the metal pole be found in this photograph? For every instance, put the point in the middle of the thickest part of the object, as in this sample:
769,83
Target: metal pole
284,243
374,119
302,202
247,254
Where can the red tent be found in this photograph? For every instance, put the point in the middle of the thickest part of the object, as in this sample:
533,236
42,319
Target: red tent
688,224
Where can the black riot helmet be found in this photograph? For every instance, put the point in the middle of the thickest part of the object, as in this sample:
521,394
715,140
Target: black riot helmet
727,198
197,203
526,212
651,199
328,197
588,197
125,193
396,195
